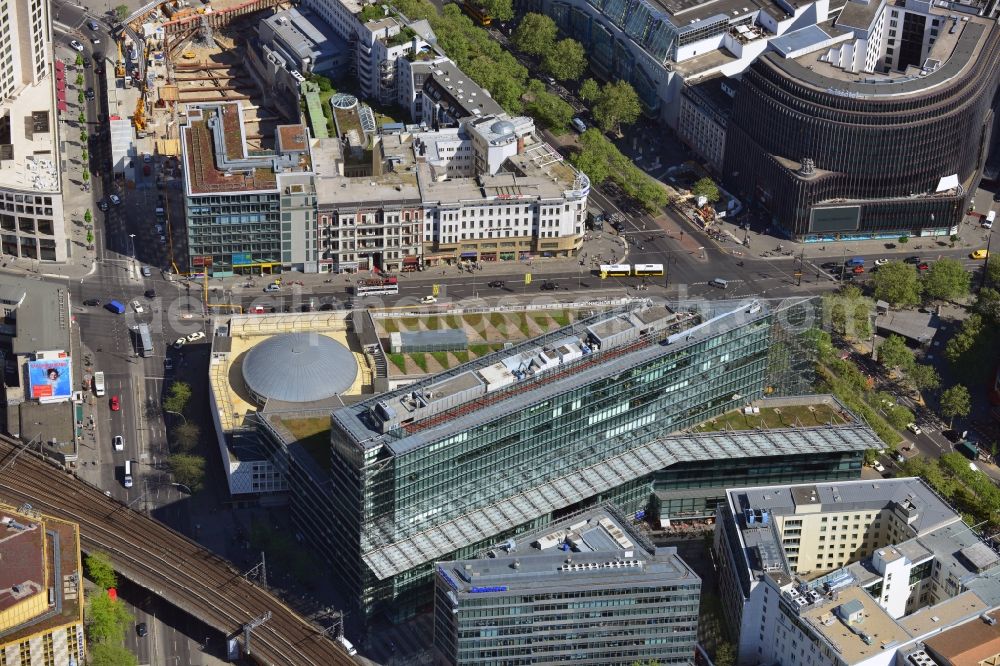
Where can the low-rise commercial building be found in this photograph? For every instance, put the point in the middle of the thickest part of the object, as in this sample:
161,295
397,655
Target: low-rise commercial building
490,190
41,590
848,574
586,590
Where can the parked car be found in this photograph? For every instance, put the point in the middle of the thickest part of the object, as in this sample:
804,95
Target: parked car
89,94
102,205
878,467
914,428
168,364
179,342
115,199
923,266
147,158
881,262
140,629
76,46
197,335
429,299
146,272
115,404
92,302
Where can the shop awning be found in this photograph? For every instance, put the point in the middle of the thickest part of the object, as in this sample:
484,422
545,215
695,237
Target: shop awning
469,255
410,260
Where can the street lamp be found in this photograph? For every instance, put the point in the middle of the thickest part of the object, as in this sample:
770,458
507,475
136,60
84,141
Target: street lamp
131,238
181,485
170,411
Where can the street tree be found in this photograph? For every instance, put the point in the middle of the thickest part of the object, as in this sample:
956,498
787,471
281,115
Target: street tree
707,188
566,60
100,570
946,279
903,240
965,339
85,175
993,270
79,60
85,156
535,34
589,91
188,470
88,217
106,618
104,654
79,97
898,416
897,284
90,237
186,436
924,377
82,118
893,353
177,399
121,12
79,79
616,105
955,401
499,10
593,158
725,654
550,110
987,304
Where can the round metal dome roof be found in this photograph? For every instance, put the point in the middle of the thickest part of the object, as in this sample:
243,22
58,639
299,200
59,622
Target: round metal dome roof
299,367
502,127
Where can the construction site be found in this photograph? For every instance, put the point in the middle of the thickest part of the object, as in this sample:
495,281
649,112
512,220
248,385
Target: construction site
181,53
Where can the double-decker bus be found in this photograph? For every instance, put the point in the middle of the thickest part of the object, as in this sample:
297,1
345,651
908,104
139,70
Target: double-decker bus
615,270
376,287
644,270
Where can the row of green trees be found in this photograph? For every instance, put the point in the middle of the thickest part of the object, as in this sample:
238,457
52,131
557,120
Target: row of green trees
602,161
106,619
970,491
901,285
187,467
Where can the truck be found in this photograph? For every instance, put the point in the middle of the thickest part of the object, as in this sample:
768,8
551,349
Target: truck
99,383
347,645
968,449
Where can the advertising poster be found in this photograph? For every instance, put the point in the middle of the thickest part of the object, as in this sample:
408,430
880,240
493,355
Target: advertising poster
50,380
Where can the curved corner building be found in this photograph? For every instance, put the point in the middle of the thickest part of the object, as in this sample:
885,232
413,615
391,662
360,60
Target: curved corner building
853,130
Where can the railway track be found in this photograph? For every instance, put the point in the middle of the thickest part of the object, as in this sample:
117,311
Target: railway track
167,563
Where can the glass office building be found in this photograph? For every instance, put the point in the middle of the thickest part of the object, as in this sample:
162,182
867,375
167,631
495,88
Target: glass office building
503,445
589,590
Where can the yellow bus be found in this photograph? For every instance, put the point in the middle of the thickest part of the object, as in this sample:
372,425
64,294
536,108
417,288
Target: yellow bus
643,270
615,270
477,13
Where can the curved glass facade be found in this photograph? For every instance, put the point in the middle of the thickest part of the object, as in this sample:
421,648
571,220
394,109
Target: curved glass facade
882,153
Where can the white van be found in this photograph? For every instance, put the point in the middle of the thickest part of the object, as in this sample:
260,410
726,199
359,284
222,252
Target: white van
127,481
718,282
989,219
579,125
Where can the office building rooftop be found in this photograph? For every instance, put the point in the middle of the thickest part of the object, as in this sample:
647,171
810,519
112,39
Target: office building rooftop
217,158
40,314
589,551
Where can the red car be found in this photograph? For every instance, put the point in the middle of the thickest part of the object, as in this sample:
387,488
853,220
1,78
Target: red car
923,266
115,405
859,270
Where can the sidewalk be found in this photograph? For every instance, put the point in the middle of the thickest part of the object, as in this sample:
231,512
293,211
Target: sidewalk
971,236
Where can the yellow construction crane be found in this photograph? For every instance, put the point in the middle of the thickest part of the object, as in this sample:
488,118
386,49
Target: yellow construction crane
139,117
120,65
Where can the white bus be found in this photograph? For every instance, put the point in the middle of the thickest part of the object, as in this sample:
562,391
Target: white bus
615,270
144,341
643,270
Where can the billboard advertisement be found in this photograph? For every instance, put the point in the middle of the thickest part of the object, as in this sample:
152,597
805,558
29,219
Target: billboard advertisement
835,218
242,259
50,380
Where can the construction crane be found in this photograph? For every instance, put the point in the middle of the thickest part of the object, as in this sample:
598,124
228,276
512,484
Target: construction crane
120,65
139,117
